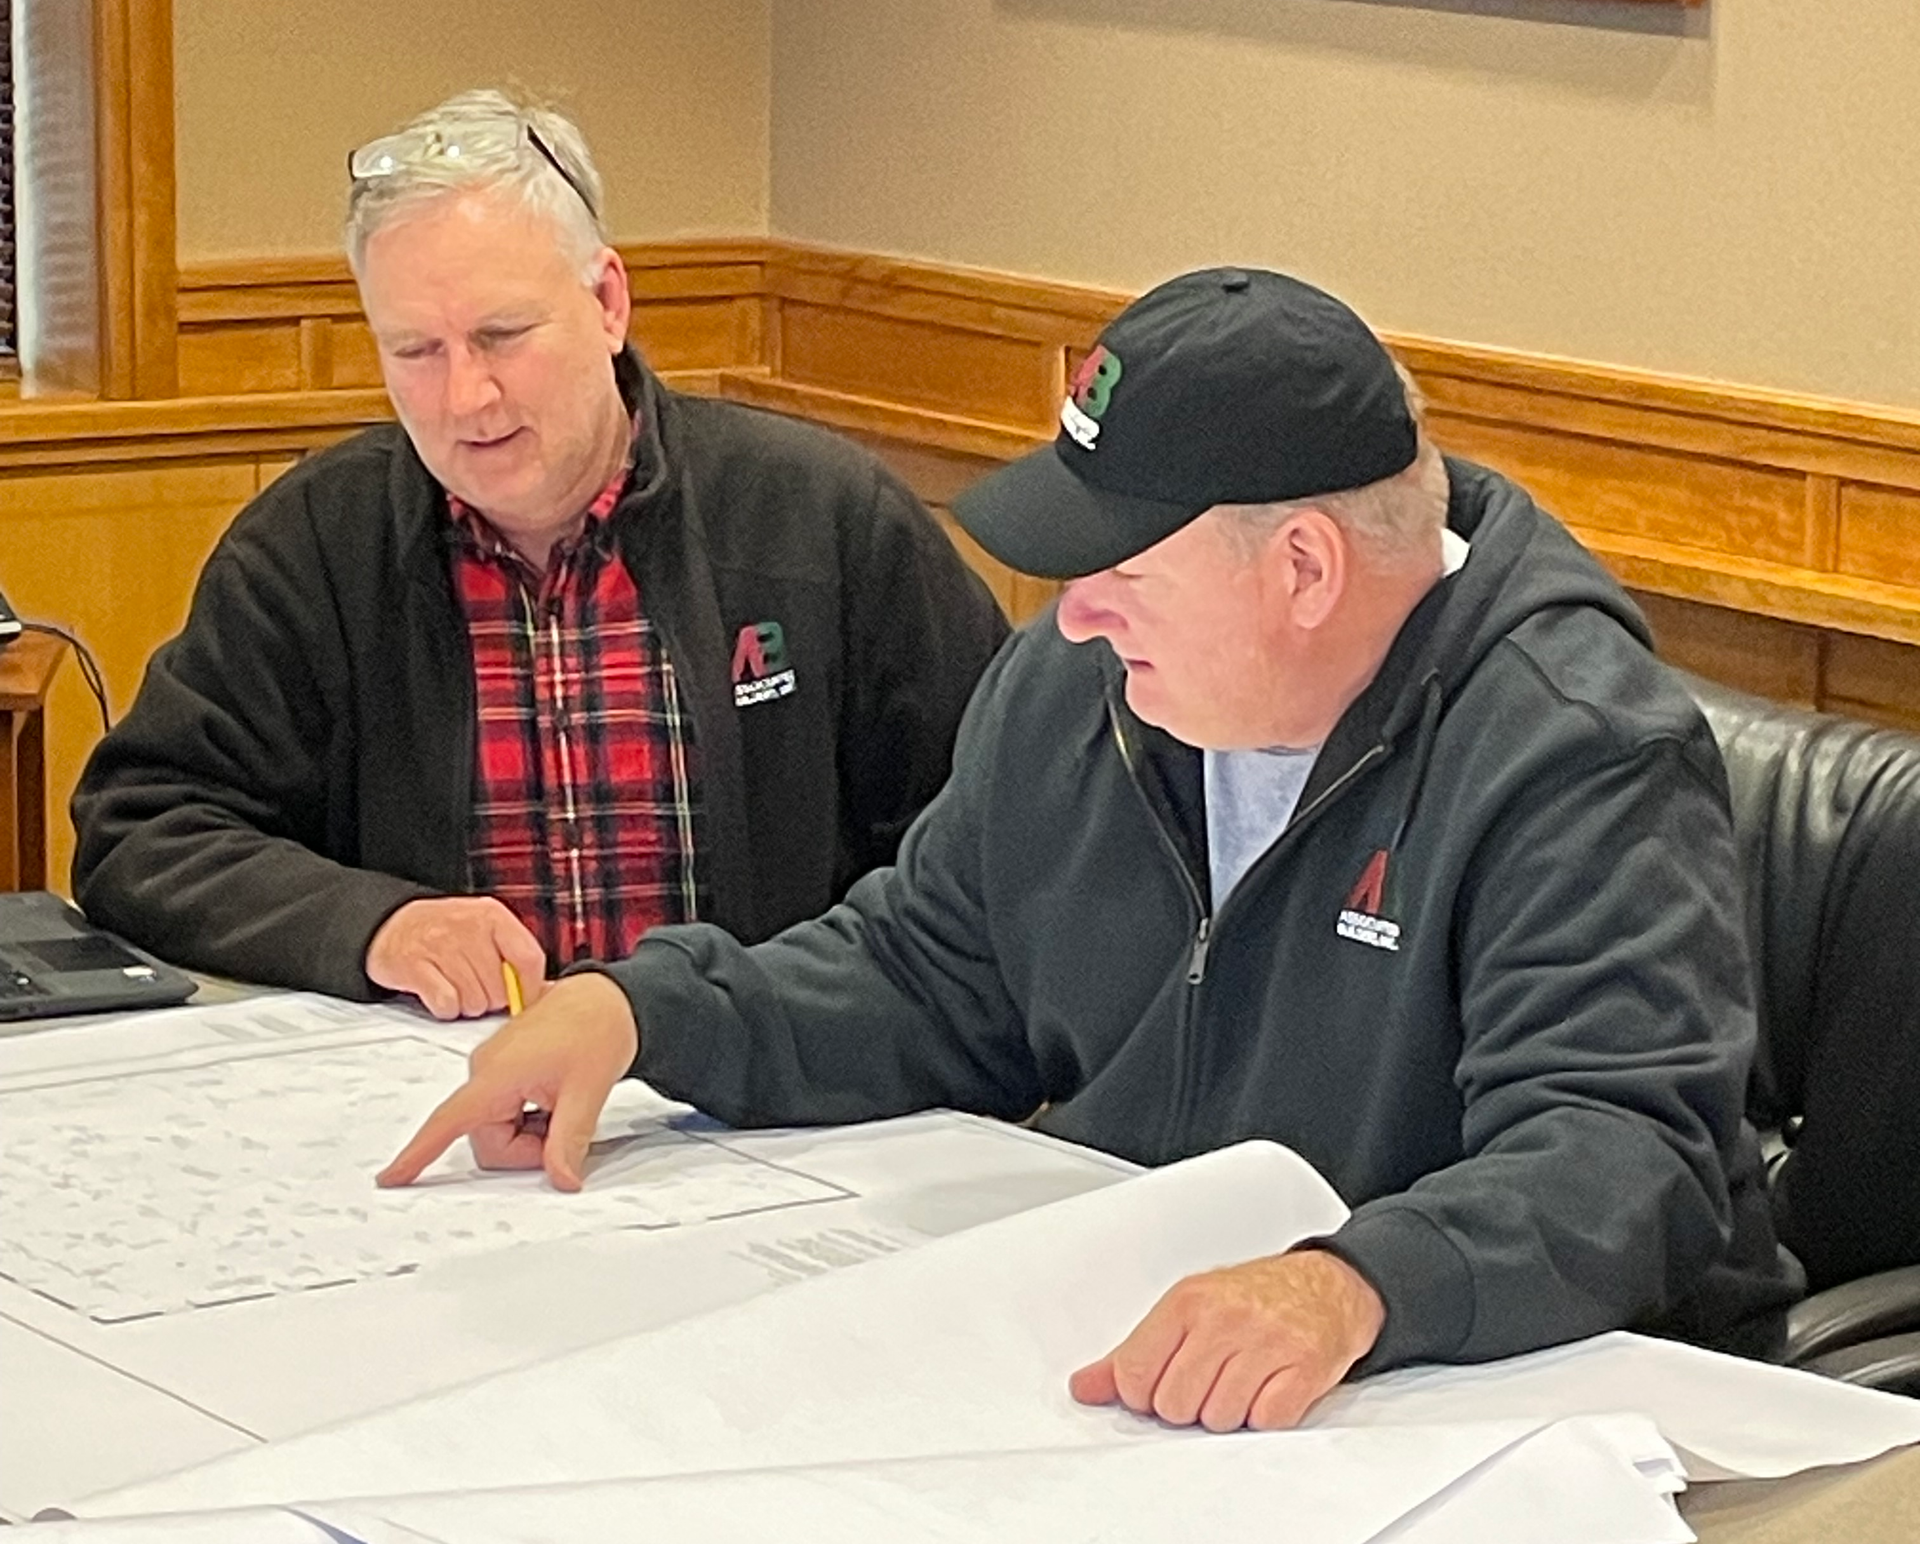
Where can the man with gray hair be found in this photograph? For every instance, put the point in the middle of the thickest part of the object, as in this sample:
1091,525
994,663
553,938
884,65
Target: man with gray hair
563,656
1343,803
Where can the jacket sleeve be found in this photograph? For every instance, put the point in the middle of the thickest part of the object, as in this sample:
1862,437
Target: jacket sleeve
890,1002
920,627
203,817
1607,1025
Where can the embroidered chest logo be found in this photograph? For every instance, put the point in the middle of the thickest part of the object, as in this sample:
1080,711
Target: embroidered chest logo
1087,398
760,670
1360,918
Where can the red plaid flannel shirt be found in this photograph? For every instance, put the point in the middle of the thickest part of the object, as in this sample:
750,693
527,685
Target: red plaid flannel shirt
584,811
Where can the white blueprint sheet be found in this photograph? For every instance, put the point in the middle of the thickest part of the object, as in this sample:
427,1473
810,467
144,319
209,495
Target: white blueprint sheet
85,1404
1453,1485
963,1347
248,1173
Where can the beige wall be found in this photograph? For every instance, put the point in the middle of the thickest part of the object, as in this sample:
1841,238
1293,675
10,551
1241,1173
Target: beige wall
1731,192
272,94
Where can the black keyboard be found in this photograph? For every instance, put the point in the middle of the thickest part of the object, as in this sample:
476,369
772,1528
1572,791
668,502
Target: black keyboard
17,983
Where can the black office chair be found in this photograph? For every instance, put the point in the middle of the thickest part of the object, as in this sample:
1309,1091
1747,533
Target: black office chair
1827,811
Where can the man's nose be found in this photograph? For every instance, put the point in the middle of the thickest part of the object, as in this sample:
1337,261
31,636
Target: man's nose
471,387
1082,616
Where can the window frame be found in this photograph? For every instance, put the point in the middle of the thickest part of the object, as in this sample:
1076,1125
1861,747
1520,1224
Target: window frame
117,339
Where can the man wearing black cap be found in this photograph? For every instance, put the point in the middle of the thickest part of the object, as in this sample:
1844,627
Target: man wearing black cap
1373,828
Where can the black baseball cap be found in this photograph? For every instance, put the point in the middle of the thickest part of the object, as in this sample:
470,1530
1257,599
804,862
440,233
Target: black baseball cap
1224,386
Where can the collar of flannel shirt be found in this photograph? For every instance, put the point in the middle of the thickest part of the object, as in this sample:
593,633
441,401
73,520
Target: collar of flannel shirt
480,536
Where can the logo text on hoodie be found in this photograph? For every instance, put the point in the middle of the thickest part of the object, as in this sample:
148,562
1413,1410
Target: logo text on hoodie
1360,918
760,671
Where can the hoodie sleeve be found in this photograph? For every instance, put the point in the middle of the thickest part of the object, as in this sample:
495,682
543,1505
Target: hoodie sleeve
891,1002
1606,1028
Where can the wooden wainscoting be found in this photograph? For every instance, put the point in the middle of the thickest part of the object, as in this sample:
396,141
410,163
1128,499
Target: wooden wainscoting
1749,503
1775,541
294,323
108,512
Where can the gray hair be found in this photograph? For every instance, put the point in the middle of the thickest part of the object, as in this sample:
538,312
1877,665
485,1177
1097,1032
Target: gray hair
1391,518
522,173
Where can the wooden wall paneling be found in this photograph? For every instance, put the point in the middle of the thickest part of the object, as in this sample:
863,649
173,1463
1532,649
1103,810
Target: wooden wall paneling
1871,678
17,838
977,375
1823,523
698,306
1879,533
697,334
263,324
859,415
1679,500
110,554
938,476
278,324
770,350
268,468
356,357
316,353
1792,594
912,289
1725,501
1706,418
241,357
133,99
113,194
983,347
53,435
1752,653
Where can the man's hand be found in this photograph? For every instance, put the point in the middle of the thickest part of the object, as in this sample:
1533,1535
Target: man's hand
447,951
562,1058
1253,1345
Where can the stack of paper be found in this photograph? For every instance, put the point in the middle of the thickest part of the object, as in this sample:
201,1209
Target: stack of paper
927,1390
1467,1484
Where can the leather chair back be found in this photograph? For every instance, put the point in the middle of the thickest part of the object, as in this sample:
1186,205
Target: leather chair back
1827,813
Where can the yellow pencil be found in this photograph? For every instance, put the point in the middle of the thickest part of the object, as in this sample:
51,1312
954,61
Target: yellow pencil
515,1002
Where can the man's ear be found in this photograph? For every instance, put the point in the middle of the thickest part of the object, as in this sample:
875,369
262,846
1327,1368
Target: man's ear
1311,555
615,295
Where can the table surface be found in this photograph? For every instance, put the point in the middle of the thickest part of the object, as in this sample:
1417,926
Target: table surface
27,666
1870,1503
86,1407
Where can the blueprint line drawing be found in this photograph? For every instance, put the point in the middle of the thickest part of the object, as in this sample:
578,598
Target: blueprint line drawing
151,1190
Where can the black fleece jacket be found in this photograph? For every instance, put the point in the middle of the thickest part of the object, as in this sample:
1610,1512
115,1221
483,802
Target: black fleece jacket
1517,1044
299,761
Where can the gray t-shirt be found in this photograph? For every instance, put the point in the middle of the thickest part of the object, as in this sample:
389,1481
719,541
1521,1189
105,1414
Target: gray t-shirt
1250,799
1251,794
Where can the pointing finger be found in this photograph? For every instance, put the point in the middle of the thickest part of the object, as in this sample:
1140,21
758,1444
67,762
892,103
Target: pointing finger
1093,1384
456,1115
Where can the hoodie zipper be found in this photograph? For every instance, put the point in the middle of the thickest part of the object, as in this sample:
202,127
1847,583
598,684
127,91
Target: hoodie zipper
1197,958
1205,926
1204,931
1377,752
